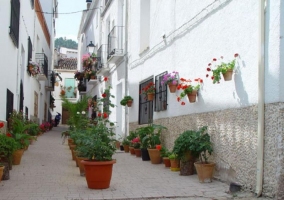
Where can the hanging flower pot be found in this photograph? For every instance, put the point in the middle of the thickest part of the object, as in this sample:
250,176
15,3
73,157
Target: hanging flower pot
129,103
192,96
228,75
150,96
172,87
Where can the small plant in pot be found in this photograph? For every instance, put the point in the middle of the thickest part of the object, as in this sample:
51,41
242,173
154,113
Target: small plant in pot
175,162
165,155
136,144
126,143
202,146
130,137
127,100
99,149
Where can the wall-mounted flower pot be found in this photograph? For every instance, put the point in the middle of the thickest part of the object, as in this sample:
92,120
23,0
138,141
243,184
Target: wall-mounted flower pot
150,96
228,75
192,96
129,103
172,87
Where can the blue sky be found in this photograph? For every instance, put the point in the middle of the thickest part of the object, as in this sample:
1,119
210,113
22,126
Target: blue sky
67,25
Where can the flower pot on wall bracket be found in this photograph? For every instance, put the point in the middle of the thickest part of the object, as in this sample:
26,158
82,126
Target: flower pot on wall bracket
150,96
228,75
172,87
129,103
192,96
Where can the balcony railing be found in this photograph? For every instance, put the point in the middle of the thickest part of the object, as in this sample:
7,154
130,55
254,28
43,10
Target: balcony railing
115,43
101,58
41,58
50,81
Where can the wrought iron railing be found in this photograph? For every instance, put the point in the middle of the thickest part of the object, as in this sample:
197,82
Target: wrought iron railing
101,57
42,60
115,42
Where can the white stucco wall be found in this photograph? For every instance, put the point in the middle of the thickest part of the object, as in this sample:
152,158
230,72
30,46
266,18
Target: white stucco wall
220,30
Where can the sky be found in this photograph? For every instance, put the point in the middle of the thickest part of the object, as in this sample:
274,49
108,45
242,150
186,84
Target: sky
67,25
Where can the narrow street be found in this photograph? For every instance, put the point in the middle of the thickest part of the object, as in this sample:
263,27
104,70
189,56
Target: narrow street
47,172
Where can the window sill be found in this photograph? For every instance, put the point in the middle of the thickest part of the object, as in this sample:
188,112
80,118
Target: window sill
144,51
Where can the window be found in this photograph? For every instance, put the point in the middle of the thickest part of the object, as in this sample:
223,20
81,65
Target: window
30,50
15,21
32,4
145,106
144,24
70,90
161,93
27,112
9,105
21,96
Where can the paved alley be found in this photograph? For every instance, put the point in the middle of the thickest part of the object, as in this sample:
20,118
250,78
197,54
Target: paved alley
47,172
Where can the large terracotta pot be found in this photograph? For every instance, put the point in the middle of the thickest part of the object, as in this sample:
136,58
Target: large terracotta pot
72,147
137,152
98,173
155,156
205,171
17,156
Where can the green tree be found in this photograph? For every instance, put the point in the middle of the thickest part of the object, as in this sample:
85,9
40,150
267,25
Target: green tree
67,43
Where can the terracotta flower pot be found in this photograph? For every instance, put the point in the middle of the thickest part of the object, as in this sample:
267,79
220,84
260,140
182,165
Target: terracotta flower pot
155,156
132,152
98,173
192,96
175,164
129,103
167,162
205,171
150,96
137,152
228,75
17,156
126,148
172,87
81,166
1,172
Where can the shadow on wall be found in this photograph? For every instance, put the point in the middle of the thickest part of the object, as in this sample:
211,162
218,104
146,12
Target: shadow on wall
241,95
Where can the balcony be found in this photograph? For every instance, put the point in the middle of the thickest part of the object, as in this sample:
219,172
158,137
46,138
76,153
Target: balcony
102,67
42,60
115,45
50,81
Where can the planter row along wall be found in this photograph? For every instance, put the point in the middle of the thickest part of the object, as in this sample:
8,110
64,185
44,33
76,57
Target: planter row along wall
234,136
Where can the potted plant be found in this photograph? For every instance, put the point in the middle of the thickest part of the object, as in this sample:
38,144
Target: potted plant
218,67
136,144
171,79
127,100
1,170
90,74
153,139
142,133
165,155
79,75
130,137
149,91
202,146
183,149
7,147
125,143
99,149
190,89
175,162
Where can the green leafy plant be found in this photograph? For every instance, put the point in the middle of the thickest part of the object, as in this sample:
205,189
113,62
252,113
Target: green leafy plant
124,101
173,156
152,137
165,152
7,145
187,87
219,67
125,142
131,136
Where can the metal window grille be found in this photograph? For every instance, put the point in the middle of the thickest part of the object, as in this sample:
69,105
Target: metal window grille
21,96
9,105
145,106
15,21
32,4
30,50
161,93
115,46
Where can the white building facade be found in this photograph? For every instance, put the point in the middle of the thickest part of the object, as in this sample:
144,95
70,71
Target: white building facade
243,115
27,36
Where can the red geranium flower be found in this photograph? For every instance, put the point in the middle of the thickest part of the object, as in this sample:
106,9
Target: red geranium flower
212,77
208,69
207,75
104,95
214,59
8,134
158,146
182,103
178,99
99,114
105,78
236,55
105,115
209,64
1,124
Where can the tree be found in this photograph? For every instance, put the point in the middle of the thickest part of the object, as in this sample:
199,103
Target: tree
67,43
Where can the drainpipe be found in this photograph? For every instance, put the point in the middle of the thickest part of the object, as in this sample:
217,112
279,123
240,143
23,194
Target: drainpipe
126,66
260,139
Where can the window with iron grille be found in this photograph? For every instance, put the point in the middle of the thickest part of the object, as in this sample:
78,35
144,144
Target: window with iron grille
145,106
21,96
30,50
15,21
161,93
9,106
27,112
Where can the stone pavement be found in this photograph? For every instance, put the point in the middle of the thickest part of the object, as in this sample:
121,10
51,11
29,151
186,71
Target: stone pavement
47,172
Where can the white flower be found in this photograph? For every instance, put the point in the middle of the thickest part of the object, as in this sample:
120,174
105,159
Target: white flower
83,112
78,113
